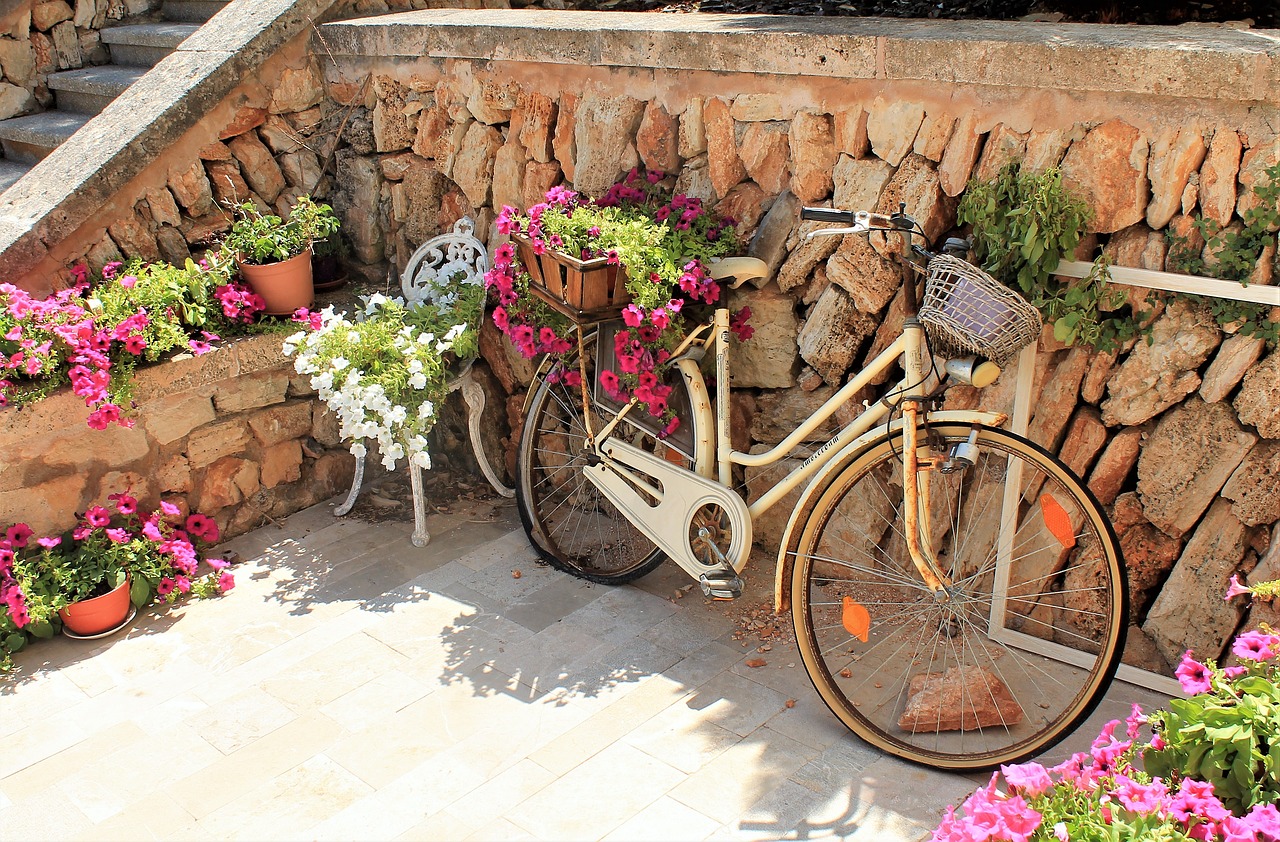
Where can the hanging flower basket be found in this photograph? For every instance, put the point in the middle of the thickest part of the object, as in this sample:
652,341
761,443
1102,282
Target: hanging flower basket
584,291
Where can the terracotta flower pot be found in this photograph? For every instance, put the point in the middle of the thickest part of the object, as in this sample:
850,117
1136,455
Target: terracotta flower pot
98,614
285,286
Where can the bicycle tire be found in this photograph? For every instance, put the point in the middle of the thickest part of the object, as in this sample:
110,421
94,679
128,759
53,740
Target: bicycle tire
573,527
920,684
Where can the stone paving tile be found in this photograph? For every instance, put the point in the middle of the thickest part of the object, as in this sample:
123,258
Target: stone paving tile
663,821
597,796
741,776
241,719
253,766
288,806
110,783
435,696
47,815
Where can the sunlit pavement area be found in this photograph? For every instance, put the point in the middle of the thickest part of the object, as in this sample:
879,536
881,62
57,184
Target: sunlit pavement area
353,686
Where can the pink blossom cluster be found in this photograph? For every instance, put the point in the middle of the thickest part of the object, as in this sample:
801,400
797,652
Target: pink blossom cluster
45,337
239,303
1112,788
164,529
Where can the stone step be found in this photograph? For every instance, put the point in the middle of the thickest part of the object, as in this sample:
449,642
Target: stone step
145,44
89,89
28,139
192,11
11,171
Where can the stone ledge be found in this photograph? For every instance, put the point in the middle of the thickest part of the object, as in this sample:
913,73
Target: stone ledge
63,191
236,357
1200,61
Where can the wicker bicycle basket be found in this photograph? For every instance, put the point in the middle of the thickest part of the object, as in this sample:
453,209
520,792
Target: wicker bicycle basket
966,311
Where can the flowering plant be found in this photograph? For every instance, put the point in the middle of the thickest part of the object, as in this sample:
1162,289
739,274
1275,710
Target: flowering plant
384,371
260,238
41,575
93,337
1100,796
664,241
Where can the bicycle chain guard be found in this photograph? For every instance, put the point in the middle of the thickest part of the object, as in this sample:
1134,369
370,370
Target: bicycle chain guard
631,478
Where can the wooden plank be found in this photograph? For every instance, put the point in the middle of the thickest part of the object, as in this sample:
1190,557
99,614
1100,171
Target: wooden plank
1173,282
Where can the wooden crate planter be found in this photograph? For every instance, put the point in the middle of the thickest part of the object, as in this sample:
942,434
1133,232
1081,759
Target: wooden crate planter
585,291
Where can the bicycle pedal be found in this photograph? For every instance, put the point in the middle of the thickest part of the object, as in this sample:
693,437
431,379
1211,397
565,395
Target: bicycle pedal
721,587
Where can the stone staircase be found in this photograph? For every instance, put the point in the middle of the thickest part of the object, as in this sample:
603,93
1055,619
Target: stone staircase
80,94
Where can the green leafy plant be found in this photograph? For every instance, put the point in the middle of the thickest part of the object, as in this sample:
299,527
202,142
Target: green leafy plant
1233,256
259,238
41,576
1024,224
1228,732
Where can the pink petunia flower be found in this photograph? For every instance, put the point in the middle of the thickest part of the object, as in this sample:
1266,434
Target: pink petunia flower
165,587
49,542
1256,646
18,535
97,516
1193,675
226,581
1235,589
118,536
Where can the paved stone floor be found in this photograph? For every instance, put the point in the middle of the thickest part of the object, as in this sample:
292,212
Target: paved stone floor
353,686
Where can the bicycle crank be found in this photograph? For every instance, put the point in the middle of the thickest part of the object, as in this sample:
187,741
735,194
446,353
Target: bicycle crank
668,504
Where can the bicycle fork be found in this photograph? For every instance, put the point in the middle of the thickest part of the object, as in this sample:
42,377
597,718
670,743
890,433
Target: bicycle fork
917,513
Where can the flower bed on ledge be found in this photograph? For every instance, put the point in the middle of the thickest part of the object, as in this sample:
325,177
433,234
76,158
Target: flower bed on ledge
232,433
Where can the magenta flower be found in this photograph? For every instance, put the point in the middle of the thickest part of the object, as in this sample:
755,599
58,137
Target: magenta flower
128,281
118,536
1235,589
165,587
203,527
1256,646
18,535
97,516
226,581
1193,675
151,531
169,509
125,504
50,541
1027,778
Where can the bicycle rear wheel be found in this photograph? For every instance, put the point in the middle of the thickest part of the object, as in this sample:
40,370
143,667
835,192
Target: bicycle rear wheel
1022,650
573,526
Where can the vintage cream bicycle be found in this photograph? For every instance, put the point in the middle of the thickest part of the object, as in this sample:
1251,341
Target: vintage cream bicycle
956,591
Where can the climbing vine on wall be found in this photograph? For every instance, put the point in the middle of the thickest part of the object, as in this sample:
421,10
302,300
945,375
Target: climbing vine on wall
1024,223
1232,253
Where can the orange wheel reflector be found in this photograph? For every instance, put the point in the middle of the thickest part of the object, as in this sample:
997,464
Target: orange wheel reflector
855,619
1058,521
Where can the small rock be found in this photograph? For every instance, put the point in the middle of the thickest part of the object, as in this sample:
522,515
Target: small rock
961,699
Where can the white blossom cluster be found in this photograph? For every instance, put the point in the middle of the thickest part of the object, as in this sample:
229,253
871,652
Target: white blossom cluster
364,408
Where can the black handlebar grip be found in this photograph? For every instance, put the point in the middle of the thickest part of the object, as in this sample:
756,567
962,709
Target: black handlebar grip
827,215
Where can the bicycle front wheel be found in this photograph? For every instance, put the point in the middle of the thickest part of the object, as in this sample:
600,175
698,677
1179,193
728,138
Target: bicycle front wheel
573,526
1026,640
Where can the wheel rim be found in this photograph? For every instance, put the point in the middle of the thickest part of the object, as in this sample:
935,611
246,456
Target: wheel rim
571,520
938,682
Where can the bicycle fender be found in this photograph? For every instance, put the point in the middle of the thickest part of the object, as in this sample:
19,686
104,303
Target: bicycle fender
819,481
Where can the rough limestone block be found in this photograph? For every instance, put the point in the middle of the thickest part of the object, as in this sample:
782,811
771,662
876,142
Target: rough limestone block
960,156
769,359
693,129
1218,176
833,334
509,164
261,389
281,463
1256,160
227,482
1234,359
869,279
14,100
780,412
1186,461
805,255
724,166
538,112
18,60
394,128
1108,169
48,508
770,241
1259,400
191,188
276,424
746,204
1003,145
297,89
892,128
813,156
1160,373
1176,153
1190,612
492,102
1255,485
765,151
1057,399
214,441
604,131
657,140
859,182
916,183
1115,465
170,418
757,108
1086,435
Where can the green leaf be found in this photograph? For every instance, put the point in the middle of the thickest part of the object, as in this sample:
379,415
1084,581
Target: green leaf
41,628
14,642
139,591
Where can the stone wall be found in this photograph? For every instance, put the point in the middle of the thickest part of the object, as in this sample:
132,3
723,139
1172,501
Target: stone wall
462,112
234,434
39,37
407,122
